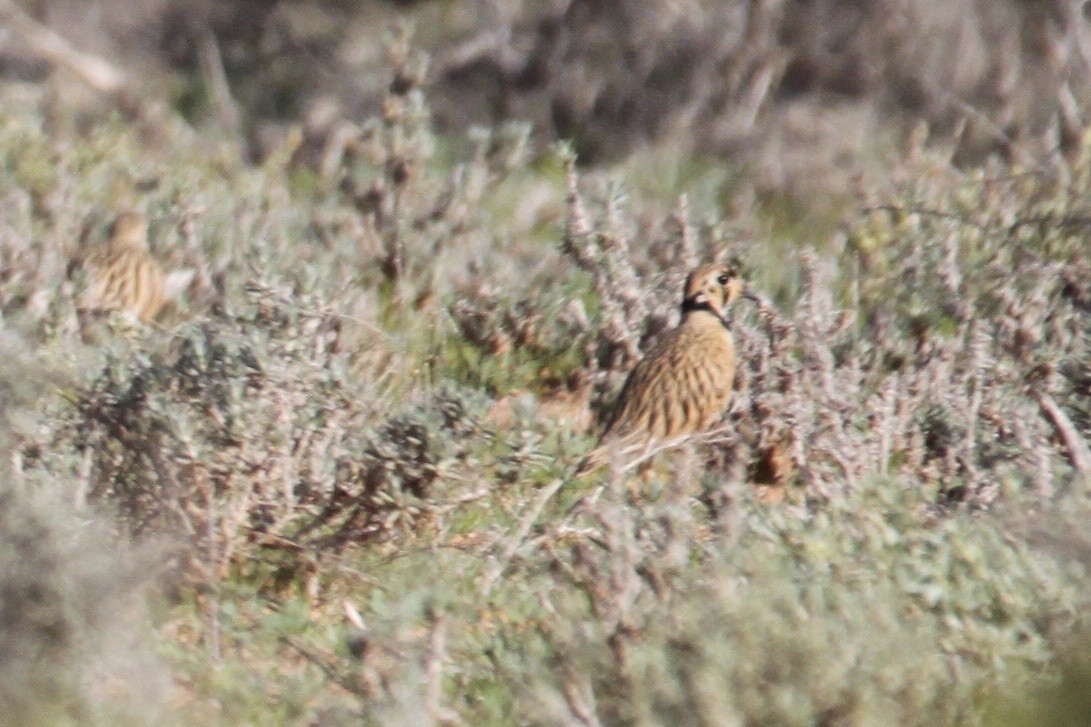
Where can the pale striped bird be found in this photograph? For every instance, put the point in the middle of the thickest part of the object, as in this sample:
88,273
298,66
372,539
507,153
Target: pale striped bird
684,383
123,276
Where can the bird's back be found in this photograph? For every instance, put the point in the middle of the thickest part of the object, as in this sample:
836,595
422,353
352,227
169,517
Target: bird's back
680,387
125,278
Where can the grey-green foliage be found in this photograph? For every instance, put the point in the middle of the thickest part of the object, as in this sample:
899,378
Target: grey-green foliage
941,340
871,611
251,428
312,398
928,350
75,643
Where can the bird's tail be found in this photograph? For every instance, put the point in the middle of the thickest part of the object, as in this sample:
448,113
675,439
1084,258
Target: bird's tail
619,453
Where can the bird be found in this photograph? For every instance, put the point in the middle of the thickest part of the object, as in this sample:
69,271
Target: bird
683,384
123,276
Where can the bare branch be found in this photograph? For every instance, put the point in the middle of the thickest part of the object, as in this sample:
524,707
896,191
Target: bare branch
1078,451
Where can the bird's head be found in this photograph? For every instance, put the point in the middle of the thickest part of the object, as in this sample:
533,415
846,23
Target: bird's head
713,288
129,230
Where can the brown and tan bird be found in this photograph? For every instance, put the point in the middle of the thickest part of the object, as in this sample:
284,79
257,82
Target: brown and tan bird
123,276
684,383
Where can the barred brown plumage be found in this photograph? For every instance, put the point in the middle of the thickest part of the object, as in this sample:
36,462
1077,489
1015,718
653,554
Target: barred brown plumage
123,276
683,384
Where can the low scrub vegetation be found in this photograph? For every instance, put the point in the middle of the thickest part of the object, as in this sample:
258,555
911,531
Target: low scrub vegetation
335,483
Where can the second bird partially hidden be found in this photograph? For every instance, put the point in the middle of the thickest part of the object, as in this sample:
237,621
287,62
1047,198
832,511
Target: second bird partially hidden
122,276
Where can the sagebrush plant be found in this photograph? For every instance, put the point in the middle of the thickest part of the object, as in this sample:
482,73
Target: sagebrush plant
248,431
936,348
939,340
359,429
75,639
871,611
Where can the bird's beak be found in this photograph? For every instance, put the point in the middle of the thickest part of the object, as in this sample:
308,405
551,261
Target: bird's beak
716,310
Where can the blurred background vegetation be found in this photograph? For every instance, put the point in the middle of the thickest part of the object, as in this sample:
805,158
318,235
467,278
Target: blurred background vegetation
787,86
333,484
